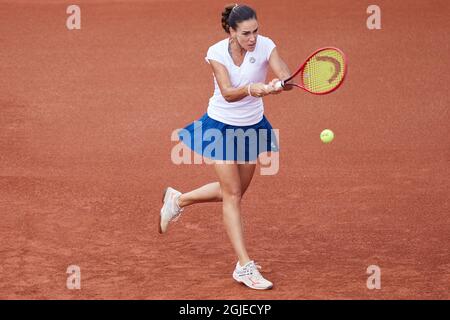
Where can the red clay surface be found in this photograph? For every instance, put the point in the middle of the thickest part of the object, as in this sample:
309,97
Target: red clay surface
85,124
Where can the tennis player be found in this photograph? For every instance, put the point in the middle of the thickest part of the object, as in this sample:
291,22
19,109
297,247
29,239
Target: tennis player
240,64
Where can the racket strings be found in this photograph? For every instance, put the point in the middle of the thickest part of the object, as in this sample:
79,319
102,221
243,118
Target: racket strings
324,71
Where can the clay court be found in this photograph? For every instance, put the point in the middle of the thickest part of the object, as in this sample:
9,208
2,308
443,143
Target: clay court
85,123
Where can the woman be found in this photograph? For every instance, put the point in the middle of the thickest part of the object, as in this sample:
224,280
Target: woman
239,64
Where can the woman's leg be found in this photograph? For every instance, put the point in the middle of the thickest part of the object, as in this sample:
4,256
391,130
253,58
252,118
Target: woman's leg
230,184
246,172
211,192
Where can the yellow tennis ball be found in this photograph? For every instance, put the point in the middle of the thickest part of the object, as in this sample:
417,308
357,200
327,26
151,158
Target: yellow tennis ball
326,136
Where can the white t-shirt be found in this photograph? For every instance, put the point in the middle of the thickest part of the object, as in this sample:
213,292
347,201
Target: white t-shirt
253,69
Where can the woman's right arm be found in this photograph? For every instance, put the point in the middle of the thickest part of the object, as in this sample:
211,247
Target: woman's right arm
231,94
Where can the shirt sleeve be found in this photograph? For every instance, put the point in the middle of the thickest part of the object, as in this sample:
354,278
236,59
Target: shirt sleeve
270,45
214,54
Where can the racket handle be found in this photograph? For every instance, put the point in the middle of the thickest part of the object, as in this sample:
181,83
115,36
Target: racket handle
278,85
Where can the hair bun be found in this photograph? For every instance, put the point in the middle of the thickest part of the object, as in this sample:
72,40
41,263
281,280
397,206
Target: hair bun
225,16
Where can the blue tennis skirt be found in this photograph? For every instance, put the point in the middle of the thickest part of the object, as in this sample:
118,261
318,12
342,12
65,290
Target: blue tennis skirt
219,141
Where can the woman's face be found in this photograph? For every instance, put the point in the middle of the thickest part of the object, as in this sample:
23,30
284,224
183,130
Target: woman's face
246,34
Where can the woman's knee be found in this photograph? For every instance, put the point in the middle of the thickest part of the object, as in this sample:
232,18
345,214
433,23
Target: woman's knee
220,195
231,194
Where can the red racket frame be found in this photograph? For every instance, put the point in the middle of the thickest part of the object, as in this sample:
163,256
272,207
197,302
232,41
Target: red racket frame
301,68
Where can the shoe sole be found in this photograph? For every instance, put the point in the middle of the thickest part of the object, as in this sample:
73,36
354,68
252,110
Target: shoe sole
254,288
159,222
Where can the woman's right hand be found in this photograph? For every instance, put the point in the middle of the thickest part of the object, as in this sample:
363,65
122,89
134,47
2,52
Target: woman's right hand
260,89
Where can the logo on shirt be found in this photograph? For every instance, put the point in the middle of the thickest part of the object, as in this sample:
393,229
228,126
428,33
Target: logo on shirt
252,60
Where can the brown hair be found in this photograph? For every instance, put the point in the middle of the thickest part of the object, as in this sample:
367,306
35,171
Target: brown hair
233,14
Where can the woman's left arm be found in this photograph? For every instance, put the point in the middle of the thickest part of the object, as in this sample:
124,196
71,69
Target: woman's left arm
279,67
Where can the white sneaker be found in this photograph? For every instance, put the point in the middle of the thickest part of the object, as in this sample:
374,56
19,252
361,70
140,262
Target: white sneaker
170,210
250,276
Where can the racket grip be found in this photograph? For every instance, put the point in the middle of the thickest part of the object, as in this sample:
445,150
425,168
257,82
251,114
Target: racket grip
278,85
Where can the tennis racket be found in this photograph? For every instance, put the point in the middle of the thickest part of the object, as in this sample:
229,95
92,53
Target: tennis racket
322,73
